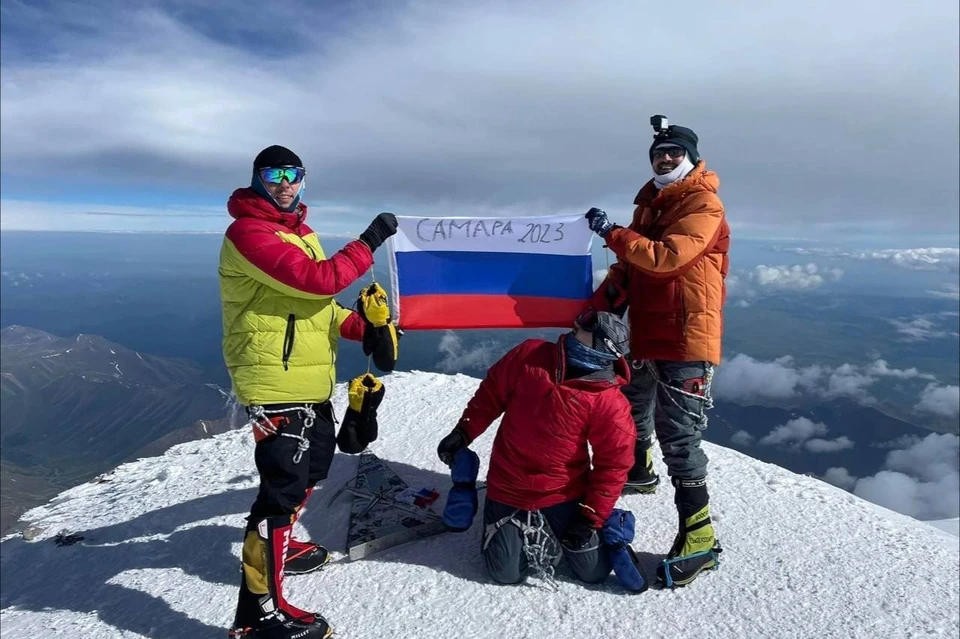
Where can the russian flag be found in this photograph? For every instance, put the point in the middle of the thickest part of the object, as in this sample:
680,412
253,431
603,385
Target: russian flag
519,272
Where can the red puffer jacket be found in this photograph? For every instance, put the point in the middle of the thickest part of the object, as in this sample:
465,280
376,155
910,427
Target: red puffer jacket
540,456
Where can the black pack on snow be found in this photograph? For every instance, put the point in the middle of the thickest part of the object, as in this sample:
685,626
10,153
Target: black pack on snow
359,426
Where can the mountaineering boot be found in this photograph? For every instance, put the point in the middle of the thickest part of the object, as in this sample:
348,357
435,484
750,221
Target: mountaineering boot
303,556
695,548
262,611
641,478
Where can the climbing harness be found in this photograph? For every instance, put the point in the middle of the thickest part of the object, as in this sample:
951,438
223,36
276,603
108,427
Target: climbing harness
705,400
265,426
540,547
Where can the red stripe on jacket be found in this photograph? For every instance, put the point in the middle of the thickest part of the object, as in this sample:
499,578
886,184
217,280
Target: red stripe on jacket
352,328
255,235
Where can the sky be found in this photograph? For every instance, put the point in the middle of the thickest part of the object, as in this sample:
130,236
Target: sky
822,119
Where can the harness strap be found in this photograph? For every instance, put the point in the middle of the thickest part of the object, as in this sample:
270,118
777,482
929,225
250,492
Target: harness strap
705,400
539,545
261,423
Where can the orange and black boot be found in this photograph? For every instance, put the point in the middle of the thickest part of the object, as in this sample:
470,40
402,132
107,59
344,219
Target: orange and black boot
262,611
695,548
642,478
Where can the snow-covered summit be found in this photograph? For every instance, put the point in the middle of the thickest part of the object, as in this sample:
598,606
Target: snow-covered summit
161,552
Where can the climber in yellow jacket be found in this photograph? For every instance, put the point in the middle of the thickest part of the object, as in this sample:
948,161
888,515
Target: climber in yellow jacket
281,325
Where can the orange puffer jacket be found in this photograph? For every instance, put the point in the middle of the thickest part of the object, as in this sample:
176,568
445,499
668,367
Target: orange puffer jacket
671,265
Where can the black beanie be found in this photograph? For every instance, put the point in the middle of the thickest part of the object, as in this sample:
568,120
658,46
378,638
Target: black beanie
678,136
276,156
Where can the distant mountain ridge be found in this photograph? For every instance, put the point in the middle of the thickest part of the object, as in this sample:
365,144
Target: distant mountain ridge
75,407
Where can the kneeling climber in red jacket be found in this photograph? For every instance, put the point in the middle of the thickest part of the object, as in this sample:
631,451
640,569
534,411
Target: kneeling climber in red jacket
556,399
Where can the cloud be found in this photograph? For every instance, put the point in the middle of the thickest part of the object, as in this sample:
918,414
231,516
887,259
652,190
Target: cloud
947,292
457,359
746,286
880,368
841,477
789,278
741,438
803,432
925,327
910,496
419,104
923,259
939,400
848,381
743,379
47,216
795,431
917,259
929,459
828,445
921,480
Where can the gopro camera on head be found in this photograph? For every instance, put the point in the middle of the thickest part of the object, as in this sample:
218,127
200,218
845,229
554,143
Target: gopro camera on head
659,123
661,126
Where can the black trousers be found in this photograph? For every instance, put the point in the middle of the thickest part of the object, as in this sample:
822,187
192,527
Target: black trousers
283,481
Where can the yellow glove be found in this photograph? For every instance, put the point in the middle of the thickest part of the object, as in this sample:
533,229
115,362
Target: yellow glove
380,337
359,427
363,387
372,305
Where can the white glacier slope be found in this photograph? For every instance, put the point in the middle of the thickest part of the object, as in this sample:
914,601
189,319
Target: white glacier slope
160,557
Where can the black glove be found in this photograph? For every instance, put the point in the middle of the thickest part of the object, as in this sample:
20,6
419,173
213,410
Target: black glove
382,227
598,222
449,446
579,532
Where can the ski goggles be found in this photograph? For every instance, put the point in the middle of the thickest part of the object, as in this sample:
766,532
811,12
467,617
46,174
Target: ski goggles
589,321
292,174
675,152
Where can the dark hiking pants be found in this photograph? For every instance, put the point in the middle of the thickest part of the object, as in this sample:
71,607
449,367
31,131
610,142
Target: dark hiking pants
284,481
676,418
502,548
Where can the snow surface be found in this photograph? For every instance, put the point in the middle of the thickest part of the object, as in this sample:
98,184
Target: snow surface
162,545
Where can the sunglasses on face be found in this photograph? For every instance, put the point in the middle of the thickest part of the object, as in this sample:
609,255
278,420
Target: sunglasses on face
291,174
674,152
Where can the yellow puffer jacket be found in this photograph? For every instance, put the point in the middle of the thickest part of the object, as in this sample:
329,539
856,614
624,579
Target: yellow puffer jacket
281,324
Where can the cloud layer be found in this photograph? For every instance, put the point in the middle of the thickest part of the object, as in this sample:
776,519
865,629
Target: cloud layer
939,400
800,433
456,358
918,259
743,379
926,327
496,106
922,481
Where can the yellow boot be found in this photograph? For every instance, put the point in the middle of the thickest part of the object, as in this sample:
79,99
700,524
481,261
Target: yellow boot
642,478
695,548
